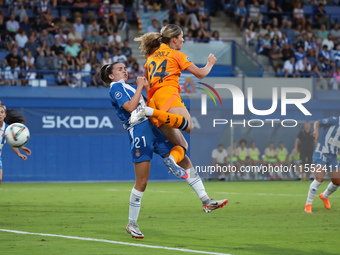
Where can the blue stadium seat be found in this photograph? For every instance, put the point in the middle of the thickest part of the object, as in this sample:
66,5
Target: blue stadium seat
308,9
50,79
3,54
66,13
264,10
99,57
333,12
55,13
30,13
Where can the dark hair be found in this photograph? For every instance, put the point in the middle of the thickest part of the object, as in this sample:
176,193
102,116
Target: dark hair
13,116
105,71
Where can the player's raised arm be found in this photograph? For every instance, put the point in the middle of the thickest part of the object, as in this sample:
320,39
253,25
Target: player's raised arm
204,71
316,129
16,151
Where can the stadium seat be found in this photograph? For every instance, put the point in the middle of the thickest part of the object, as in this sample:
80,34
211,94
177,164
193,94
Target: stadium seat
264,10
333,12
30,13
55,13
3,54
50,79
99,57
66,13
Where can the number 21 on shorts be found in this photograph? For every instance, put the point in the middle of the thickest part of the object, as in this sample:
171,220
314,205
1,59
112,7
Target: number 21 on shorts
139,140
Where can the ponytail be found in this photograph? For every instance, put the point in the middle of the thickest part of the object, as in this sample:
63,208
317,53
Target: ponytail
149,43
14,116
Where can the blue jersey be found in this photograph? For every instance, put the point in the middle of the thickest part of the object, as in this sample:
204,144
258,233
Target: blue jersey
145,138
120,93
329,138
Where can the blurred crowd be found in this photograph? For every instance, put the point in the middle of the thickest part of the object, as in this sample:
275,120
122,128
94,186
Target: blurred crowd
297,44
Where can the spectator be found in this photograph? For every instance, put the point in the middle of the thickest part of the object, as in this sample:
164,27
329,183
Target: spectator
92,26
75,37
266,30
64,76
37,25
29,59
18,9
274,13
77,78
69,59
254,156
59,61
62,38
46,36
287,52
56,49
335,81
81,60
133,71
203,13
306,140
11,75
322,33
104,43
104,11
44,8
106,26
282,157
336,55
77,11
265,45
329,42
115,38
321,83
275,56
72,48
31,75
120,58
284,40
93,60
289,31
145,7
255,15
270,158
303,67
177,12
325,52
288,67
80,28
203,34
126,50
335,32
26,25
12,25
42,62
299,54
22,74
155,7
93,40
309,31
189,37
96,81
64,24
250,35
275,40
13,60
154,27
324,66
106,59
321,16
117,11
240,15
215,37
220,161
50,26
298,32
276,32
21,38
313,47
32,45
298,14
191,9
242,153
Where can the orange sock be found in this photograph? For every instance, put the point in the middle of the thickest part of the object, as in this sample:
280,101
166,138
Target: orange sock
170,119
178,153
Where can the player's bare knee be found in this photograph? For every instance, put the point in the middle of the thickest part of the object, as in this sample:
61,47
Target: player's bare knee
336,181
319,179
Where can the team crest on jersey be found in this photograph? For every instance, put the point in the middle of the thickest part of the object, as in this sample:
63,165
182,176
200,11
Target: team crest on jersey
118,95
137,153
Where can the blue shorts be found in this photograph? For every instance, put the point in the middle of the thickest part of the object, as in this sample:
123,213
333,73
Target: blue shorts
329,160
145,139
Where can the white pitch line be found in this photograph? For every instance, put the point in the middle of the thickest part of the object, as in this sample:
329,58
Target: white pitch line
114,242
224,193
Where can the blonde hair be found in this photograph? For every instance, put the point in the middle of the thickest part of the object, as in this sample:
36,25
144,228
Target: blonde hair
151,41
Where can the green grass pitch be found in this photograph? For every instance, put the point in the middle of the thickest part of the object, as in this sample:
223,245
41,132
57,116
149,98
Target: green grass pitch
260,218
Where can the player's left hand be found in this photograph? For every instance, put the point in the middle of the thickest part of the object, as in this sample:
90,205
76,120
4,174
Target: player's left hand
26,150
23,157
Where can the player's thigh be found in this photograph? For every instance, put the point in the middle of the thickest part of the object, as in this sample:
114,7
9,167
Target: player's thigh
175,136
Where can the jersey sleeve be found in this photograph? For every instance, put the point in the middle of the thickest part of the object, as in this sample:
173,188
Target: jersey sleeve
329,121
118,95
183,60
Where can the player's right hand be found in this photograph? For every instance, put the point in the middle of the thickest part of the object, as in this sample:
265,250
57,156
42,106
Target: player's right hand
211,59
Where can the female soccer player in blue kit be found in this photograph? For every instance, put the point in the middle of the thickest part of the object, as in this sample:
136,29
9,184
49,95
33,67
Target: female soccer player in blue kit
145,139
3,125
325,158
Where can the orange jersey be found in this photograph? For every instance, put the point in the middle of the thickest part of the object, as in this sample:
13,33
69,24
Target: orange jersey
164,67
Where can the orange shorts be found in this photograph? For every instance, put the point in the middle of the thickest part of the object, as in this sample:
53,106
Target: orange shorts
163,99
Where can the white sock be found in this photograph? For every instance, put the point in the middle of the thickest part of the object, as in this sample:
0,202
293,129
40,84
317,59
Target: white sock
313,188
196,184
135,202
148,111
331,188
